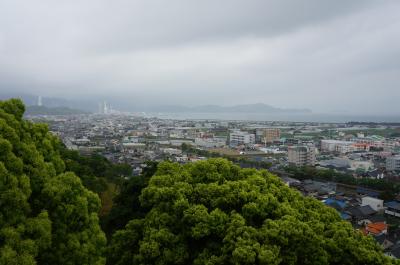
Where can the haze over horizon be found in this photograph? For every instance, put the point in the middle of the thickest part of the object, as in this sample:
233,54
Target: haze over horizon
326,56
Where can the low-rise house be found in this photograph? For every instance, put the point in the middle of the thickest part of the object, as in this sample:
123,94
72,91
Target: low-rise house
339,205
213,142
375,174
367,192
361,215
376,229
392,208
290,181
394,251
376,204
172,151
315,188
383,241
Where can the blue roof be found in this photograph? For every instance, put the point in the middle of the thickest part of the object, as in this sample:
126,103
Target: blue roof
345,216
392,204
330,201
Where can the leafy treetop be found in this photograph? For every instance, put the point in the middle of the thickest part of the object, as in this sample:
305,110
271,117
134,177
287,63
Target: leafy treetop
213,212
46,215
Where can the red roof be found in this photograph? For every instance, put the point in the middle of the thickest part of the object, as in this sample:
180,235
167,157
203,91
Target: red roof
375,228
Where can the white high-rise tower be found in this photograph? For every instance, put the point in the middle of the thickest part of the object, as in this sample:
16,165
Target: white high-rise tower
104,108
39,101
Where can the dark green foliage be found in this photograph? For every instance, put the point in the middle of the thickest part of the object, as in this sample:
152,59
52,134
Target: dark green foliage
95,170
126,203
46,215
213,212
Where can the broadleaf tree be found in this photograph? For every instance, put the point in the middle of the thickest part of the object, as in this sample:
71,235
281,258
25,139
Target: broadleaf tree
46,215
213,212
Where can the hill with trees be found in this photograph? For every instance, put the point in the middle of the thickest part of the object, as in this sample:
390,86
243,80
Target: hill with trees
208,212
214,212
46,215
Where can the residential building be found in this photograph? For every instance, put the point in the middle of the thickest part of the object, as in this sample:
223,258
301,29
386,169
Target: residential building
301,155
361,214
210,142
171,151
241,138
343,146
335,146
376,229
393,208
376,204
393,163
271,135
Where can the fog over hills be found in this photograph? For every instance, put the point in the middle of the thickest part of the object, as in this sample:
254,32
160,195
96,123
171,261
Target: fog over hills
92,106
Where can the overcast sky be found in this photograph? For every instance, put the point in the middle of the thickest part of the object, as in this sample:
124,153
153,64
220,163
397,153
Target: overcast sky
329,56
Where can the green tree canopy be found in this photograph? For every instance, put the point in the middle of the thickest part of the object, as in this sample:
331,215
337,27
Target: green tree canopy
95,170
126,204
46,215
213,212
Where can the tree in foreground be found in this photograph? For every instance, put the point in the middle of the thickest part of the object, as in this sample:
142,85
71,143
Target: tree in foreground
46,215
213,212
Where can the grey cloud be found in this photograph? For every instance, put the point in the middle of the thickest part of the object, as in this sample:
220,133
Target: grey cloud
323,55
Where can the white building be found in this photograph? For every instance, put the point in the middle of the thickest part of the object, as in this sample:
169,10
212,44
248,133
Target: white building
375,203
238,138
105,108
343,147
134,146
301,155
346,163
334,145
393,163
171,151
210,142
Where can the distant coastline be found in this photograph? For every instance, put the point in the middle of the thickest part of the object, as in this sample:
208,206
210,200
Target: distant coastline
288,117
246,108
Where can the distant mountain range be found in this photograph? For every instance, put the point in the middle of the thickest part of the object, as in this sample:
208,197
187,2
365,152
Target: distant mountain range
42,110
248,108
52,102
61,105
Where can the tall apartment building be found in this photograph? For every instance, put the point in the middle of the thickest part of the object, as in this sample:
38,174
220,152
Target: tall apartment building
302,155
271,135
393,163
239,138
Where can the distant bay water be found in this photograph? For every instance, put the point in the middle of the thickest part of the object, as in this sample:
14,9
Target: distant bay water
288,117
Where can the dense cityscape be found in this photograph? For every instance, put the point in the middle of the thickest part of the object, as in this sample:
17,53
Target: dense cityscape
353,167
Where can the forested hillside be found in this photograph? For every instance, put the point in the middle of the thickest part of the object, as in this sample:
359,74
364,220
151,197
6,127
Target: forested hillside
213,212
209,212
46,215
